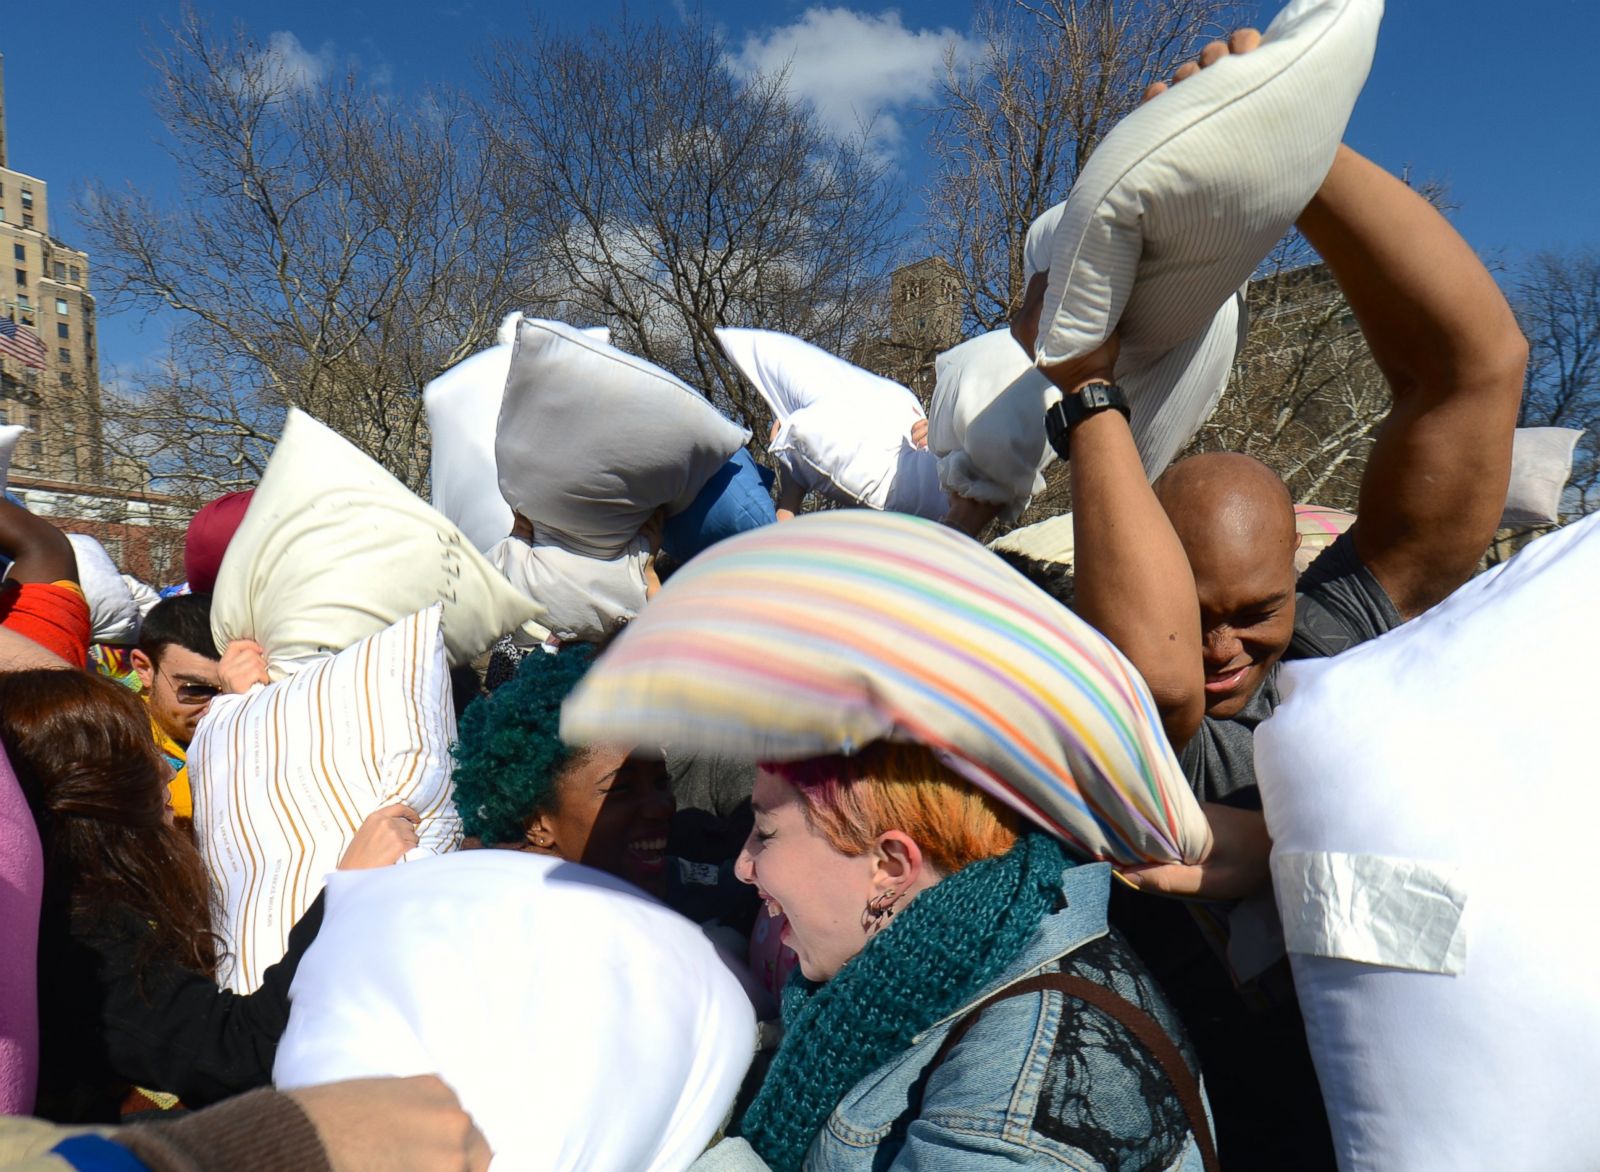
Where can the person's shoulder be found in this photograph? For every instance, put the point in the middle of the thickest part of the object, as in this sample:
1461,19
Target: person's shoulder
1339,603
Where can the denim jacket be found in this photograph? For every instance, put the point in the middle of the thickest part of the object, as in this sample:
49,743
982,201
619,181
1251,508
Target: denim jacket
1037,1082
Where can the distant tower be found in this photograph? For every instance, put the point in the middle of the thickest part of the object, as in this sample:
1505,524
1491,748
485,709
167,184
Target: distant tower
44,285
925,305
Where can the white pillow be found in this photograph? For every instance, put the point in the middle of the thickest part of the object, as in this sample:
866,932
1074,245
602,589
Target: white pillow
987,423
463,406
10,433
145,596
1040,241
1434,889
582,598
591,441
113,614
1184,197
843,431
284,775
583,1025
333,549
1541,464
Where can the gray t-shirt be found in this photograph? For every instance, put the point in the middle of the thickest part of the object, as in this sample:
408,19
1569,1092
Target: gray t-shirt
1338,603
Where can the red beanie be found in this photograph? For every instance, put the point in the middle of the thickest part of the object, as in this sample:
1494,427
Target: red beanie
207,540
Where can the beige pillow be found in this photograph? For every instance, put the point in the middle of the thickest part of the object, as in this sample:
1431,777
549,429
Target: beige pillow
334,548
284,775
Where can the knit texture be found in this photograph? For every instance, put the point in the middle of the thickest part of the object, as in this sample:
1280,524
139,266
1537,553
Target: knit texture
935,956
510,750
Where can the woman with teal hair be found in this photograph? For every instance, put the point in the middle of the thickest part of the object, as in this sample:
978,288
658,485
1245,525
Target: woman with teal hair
517,786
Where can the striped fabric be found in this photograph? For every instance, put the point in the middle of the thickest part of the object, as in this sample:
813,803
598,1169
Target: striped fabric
1318,527
1185,196
837,629
284,775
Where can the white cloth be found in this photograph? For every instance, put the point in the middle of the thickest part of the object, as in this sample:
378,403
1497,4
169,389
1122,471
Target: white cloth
843,431
592,441
1541,464
114,616
463,406
582,1024
582,598
1426,794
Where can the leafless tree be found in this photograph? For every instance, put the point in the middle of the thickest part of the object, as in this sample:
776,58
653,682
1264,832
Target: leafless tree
1557,300
1014,127
330,249
666,196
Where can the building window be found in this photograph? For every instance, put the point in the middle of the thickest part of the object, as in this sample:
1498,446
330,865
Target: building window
2,215
18,252
27,197
22,276
27,219
73,269
61,306
63,355
63,331
23,302
60,271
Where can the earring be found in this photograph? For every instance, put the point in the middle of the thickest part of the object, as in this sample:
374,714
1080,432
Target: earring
878,911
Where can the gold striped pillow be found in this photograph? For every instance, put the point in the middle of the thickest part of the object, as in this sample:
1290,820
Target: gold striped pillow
284,775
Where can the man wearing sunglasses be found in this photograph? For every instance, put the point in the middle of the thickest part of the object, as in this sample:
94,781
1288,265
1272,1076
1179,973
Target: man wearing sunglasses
176,663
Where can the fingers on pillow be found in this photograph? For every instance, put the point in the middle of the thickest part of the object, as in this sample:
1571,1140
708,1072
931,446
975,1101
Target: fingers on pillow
1154,89
1185,71
1213,53
1243,40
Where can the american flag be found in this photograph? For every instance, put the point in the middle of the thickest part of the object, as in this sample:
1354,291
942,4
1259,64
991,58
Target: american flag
21,343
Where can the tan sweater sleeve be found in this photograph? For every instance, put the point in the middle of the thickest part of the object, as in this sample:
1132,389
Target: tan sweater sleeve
261,1131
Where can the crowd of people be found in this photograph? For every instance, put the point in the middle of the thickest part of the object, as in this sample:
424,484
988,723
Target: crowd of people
942,984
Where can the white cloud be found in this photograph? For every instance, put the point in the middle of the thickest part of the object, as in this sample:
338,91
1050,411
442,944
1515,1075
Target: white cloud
286,65
856,69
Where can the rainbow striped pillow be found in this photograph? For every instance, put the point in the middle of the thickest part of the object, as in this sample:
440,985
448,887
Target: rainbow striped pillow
826,633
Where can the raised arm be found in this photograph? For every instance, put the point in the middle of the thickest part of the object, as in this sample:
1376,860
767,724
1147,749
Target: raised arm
39,552
1449,346
1132,580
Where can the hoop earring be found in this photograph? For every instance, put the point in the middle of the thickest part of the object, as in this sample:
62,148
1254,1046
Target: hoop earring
878,912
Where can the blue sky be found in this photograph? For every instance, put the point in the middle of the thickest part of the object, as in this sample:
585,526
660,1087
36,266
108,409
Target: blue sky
1495,99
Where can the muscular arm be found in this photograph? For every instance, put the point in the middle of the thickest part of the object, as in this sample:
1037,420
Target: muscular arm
1132,577
39,552
1446,341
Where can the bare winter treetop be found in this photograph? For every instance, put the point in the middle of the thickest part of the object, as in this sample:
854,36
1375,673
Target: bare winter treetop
330,249
666,195
1557,299
1015,126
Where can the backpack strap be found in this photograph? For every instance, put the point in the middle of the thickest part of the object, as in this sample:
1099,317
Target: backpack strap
1145,1029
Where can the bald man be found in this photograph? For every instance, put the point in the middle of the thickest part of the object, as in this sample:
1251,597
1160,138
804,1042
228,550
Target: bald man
1194,580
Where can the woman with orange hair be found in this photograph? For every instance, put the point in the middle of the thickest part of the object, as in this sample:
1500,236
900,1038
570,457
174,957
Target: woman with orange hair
999,1024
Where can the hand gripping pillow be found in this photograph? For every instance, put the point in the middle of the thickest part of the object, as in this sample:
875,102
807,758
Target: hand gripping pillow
334,548
1437,923
1185,196
113,613
841,628
463,406
1541,463
582,1024
284,775
987,422
842,431
591,441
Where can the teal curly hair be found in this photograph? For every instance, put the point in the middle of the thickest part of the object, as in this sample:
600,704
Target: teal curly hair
510,752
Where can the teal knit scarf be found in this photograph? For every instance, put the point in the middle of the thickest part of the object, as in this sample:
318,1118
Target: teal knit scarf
941,950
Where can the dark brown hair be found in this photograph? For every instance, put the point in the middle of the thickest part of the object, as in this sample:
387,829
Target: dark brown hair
82,751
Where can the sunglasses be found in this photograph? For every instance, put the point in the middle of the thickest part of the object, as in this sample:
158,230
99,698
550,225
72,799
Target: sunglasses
194,693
